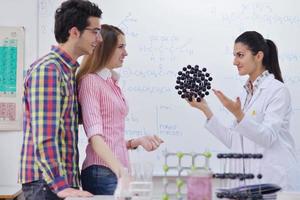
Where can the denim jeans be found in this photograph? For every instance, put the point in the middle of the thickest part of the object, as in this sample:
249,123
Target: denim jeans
99,180
38,190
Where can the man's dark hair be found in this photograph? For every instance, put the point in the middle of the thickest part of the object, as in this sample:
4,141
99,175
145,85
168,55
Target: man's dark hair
73,13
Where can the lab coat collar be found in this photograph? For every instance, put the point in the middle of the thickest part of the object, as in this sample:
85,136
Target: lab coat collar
251,87
265,82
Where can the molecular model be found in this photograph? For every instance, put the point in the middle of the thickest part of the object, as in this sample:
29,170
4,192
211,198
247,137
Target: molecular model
193,82
181,169
240,178
238,169
253,192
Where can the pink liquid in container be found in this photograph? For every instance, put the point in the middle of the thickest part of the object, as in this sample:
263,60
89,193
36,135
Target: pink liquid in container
199,185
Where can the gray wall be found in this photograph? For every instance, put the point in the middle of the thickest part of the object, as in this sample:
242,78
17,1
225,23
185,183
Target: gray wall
17,13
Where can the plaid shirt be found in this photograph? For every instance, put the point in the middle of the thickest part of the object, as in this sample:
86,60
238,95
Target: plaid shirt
50,127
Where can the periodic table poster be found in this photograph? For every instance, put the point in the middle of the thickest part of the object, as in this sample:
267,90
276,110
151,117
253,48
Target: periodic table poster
11,77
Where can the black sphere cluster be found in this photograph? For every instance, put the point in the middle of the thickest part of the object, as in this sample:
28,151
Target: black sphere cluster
239,176
240,196
193,82
239,155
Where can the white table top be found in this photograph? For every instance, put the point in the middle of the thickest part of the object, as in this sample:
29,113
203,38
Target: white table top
280,196
101,197
96,197
10,191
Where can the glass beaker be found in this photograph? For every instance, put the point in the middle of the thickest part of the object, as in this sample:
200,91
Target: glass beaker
122,191
141,186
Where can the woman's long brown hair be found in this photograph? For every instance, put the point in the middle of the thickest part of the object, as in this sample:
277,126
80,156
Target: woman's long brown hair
102,53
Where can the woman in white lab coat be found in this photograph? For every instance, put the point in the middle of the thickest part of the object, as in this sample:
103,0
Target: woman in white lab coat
262,112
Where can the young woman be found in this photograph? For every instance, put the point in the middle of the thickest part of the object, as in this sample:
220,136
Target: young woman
262,112
104,109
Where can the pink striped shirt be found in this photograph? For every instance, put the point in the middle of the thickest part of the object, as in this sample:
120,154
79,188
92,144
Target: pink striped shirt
103,110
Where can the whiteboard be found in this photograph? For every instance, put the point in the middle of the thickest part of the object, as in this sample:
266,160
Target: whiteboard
165,35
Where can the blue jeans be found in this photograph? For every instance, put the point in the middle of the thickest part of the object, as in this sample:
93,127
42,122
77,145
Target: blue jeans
38,190
99,180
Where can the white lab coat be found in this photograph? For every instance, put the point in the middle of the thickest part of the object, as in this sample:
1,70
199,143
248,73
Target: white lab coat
265,129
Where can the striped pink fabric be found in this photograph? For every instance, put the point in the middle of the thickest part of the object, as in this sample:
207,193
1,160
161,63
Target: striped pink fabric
103,110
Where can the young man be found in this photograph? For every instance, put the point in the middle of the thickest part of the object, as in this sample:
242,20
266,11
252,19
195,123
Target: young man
49,157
